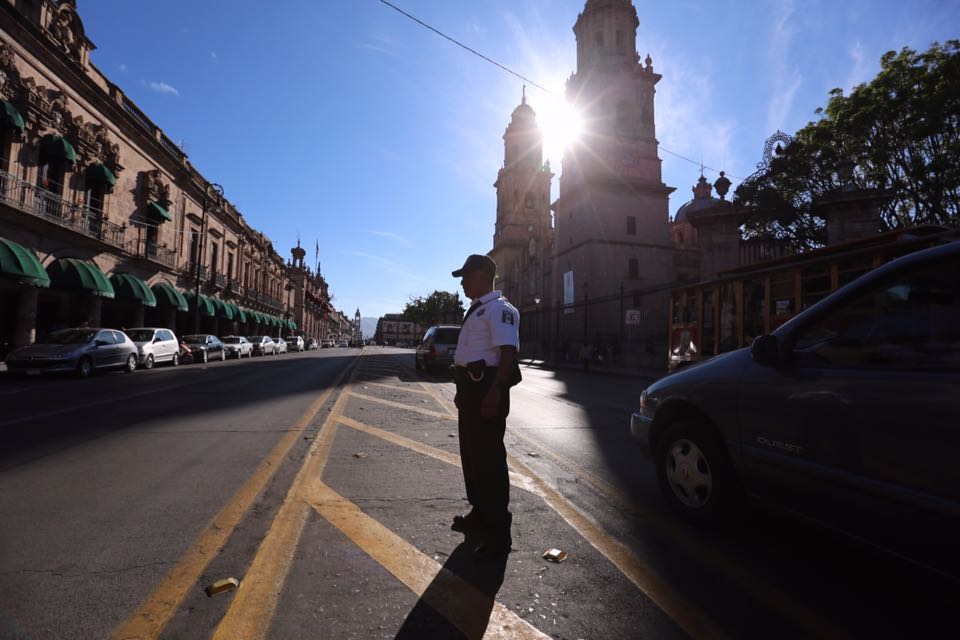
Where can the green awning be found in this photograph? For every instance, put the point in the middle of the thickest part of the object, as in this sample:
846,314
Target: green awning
293,325
100,174
155,209
239,314
132,289
261,319
21,265
74,274
222,309
58,147
169,298
9,115
206,305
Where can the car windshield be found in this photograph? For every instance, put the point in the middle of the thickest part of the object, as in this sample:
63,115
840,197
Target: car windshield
141,335
194,339
71,336
232,340
446,336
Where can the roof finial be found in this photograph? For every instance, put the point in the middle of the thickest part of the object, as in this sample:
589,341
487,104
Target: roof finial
524,99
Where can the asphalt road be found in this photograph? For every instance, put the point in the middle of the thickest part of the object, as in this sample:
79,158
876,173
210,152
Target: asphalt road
324,482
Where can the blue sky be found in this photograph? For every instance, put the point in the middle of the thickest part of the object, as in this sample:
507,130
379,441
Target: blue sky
347,123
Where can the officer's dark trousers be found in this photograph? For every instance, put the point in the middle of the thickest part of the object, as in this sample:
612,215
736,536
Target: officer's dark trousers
482,454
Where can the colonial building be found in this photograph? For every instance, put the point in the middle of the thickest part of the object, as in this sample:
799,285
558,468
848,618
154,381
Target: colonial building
396,328
103,219
523,233
310,305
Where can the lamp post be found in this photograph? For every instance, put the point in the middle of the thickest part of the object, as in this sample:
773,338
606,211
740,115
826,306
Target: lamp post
203,234
536,327
586,302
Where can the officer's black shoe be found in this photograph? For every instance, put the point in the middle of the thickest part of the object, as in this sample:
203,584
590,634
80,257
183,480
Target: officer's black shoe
466,524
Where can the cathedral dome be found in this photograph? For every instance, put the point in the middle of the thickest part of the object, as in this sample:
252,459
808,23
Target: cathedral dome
702,199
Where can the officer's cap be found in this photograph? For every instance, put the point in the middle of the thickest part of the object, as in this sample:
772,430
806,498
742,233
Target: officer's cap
477,263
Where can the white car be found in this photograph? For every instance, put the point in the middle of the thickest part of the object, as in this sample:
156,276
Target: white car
281,345
294,343
327,343
237,347
155,345
343,344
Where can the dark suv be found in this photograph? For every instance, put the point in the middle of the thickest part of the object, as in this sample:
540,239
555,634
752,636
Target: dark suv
848,414
436,349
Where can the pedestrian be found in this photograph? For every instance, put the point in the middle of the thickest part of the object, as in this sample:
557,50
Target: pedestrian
485,367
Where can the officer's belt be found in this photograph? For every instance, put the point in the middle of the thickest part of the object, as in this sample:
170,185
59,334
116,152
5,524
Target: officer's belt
472,375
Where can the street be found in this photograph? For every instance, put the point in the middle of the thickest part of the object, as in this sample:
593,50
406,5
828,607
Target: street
325,483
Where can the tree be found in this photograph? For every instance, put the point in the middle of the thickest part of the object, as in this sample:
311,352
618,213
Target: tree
900,131
437,308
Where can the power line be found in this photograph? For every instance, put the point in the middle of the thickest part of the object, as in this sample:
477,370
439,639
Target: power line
522,77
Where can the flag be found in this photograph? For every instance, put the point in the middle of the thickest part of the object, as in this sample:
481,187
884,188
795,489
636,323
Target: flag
317,257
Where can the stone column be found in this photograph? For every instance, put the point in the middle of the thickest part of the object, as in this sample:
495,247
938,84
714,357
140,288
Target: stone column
94,308
26,330
138,313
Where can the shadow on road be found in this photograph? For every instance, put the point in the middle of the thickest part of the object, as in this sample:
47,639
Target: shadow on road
460,599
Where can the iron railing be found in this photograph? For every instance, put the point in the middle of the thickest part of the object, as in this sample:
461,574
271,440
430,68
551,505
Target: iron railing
47,205
143,247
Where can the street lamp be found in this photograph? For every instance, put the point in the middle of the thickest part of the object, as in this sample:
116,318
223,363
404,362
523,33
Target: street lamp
218,190
586,302
536,326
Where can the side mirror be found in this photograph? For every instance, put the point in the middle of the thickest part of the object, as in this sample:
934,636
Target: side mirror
765,351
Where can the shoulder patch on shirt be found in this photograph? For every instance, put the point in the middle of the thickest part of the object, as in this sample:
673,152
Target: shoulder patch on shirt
506,317
481,312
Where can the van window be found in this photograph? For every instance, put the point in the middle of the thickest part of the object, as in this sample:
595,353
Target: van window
447,336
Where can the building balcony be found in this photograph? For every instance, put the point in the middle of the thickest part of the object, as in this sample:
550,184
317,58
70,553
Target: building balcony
150,250
190,271
234,287
48,206
220,281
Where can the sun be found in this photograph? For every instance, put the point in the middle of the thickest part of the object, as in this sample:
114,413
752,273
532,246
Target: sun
561,125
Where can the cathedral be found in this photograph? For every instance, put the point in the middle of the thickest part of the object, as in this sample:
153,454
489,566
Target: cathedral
607,252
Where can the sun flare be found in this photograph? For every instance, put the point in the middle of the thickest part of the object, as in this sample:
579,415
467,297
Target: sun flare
561,125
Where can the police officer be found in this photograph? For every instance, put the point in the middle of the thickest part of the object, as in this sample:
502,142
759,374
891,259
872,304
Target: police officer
485,367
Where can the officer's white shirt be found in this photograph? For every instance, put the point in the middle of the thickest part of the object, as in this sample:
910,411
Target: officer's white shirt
494,323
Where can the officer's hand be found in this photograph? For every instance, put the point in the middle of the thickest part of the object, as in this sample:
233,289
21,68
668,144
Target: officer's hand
490,407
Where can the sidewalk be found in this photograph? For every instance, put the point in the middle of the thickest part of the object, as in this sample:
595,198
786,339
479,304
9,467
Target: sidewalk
595,368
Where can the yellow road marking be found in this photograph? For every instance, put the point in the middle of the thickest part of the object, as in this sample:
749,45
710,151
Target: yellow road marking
251,610
432,390
397,387
813,622
155,612
516,479
462,604
816,625
400,405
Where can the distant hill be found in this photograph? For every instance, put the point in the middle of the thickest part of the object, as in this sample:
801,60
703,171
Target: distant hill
368,326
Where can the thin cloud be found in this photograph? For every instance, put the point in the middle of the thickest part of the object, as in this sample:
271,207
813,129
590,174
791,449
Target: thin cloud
786,77
392,236
860,71
391,265
163,87
123,68
213,55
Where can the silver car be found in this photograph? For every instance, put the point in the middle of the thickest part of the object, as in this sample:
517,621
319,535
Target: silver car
281,345
155,345
80,350
237,347
263,345
295,343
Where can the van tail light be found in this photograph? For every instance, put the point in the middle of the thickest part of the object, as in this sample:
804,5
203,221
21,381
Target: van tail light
433,350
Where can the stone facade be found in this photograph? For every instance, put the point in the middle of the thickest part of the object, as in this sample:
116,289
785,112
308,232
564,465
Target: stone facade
395,328
84,174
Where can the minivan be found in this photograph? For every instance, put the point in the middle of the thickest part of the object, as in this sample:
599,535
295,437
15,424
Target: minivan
436,348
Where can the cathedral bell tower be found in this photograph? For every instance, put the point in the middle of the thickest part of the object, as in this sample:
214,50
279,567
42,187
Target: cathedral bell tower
522,232
612,215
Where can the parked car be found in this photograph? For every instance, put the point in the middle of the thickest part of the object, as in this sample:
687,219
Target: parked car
80,350
237,347
204,347
327,343
312,344
263,345
436,348
155,345
280,345
295,343
343,344
848,415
